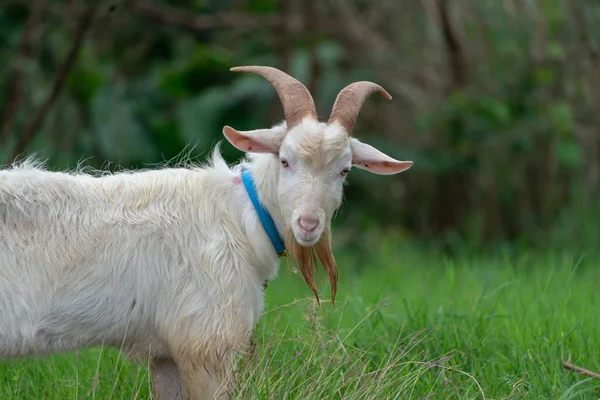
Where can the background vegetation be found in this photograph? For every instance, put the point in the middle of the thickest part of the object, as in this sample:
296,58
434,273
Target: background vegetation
497,102
489,244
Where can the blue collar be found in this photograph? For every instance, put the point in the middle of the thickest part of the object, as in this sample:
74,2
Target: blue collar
263,214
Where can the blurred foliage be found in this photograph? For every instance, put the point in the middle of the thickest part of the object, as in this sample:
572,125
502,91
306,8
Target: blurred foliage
497,102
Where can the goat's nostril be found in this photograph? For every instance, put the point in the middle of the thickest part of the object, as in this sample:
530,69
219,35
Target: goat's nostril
308,224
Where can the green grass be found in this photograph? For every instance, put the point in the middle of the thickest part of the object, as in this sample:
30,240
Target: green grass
408,324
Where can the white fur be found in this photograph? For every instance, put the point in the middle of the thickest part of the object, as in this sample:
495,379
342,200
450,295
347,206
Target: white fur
167,263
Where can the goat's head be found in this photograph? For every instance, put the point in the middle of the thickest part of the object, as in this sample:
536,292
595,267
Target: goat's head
314,158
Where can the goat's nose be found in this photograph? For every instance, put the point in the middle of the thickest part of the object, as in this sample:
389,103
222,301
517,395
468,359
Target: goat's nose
308,224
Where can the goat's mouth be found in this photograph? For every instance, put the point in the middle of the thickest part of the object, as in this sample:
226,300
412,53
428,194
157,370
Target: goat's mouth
307,240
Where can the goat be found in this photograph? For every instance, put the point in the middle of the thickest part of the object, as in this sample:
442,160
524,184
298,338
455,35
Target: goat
170,263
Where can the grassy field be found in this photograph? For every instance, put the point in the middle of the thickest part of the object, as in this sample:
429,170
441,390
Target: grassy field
408,324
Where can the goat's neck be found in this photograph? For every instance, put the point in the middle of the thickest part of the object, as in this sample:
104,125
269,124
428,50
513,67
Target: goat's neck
265,171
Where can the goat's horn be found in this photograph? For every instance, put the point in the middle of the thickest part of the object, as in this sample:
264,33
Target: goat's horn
295,97
350,100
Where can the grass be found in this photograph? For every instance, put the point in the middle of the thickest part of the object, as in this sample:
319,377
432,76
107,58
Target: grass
408,324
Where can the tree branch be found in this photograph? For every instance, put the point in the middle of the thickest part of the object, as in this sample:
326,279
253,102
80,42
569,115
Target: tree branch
312,30
16,83
456,56
283,49
32,129
579,370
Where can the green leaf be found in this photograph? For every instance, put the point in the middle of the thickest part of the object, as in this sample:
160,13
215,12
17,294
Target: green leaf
556,50
544,75
569,154
84,83
561,117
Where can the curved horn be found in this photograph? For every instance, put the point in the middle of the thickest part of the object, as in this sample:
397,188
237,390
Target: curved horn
295,97
350,100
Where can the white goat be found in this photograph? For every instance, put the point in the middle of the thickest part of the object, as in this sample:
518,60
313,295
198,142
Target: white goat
170,264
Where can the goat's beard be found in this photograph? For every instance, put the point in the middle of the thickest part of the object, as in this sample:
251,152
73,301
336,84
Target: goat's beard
308,256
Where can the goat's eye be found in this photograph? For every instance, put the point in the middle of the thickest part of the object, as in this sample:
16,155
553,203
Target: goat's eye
345,171
284,163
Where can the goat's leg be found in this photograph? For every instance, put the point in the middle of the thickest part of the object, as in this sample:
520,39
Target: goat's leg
203,381
166,382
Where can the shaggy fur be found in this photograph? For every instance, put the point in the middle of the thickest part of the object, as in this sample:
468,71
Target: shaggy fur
166,263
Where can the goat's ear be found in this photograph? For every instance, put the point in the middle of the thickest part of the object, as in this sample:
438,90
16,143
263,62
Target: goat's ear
256,141
369,158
